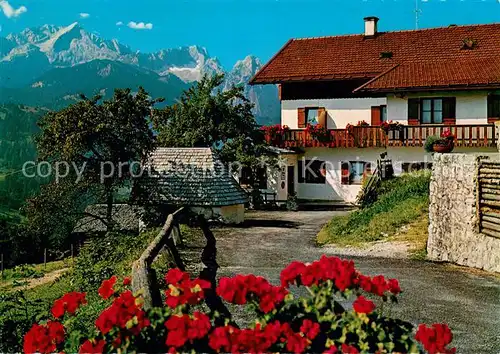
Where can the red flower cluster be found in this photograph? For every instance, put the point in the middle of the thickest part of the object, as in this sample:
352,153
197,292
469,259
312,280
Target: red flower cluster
362,123
92,347
70,302
446,133
363,305
341,272
44,338
276,128
182,290
242,288
260,340
106,290
310,329
435,338
123,309
183,328
378,285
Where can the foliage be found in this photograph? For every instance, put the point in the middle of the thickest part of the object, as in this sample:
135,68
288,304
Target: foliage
17,127
101,139
274,133
400,201
205,116
387,126
103,257
445,137
282,322
319,132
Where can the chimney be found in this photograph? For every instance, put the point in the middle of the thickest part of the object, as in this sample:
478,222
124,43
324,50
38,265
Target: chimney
371,26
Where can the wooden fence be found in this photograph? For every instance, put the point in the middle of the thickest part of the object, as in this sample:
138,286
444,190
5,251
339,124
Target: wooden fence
489,198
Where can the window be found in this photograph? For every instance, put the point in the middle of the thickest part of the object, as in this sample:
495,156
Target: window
493,108
312,116
383,113
313,171
353,172
431,111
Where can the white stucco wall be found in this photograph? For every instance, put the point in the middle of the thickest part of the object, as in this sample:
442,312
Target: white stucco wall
471,108
340,112
334,190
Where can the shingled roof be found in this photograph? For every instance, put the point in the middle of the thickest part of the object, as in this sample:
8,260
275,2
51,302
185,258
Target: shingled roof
192,177
126,217
428,58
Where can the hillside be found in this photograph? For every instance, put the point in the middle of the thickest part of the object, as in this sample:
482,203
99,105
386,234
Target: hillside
60,87
17,129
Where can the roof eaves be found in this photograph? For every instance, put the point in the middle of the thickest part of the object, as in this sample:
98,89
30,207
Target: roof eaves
252,80
360,88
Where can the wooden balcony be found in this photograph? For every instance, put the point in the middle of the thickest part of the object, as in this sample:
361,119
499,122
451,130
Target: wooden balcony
483,135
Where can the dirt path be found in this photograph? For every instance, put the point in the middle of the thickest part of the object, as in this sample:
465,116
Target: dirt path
469,303
33,283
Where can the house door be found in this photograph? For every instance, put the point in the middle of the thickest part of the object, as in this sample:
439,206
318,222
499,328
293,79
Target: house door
291,180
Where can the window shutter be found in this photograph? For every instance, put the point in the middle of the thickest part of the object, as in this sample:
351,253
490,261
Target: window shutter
449,110
322,116
493,108
300,175
345,173
413,111
301,122
376,116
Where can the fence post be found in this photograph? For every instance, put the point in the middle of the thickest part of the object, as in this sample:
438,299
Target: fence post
44,258
72,257
1,266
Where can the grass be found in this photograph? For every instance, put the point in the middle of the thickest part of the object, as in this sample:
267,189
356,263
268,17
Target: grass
416,233
400,202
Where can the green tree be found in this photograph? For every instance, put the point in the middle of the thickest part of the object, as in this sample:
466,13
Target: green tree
205,116
208,116
100,141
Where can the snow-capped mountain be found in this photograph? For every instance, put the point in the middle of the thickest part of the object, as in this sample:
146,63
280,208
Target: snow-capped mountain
27,56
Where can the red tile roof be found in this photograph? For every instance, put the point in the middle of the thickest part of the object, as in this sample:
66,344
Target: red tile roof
421,58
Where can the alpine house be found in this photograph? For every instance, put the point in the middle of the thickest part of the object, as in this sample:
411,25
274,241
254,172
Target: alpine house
424,82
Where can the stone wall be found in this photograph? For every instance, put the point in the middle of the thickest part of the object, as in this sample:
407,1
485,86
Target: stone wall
453,220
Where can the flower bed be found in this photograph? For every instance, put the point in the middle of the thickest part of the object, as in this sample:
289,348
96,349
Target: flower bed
283,322
318,133
274,133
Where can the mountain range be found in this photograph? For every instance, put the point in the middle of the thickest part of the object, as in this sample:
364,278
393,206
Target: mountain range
50,66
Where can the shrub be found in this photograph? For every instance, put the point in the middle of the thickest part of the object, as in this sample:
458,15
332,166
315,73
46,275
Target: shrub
103,257
282,322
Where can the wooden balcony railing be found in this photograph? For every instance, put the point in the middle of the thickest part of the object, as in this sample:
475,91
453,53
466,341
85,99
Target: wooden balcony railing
482,135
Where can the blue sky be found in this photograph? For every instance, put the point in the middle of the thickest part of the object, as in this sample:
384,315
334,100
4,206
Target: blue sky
232,29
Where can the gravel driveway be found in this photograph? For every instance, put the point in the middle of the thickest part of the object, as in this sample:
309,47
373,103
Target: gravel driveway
468,301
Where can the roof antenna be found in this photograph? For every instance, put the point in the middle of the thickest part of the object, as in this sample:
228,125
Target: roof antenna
417,14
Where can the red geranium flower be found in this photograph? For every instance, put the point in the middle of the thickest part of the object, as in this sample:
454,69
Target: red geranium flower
310,329
349,349
69,302
92,346
106,290
127,281
393,285
434,339
363,305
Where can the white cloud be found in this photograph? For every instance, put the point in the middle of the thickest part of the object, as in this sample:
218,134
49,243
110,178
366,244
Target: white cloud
9,11
84,15
119,23
140,25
